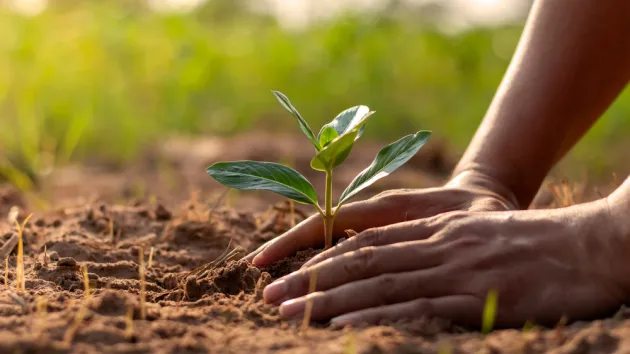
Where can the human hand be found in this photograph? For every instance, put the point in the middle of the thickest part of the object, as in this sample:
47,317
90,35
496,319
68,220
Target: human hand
469,191
543,263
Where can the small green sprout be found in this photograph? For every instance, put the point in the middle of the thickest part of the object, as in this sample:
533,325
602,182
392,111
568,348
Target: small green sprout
332,146
490,311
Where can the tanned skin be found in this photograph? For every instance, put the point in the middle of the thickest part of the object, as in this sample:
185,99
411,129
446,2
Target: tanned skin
437,252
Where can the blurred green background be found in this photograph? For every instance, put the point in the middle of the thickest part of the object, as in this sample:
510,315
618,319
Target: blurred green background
103,79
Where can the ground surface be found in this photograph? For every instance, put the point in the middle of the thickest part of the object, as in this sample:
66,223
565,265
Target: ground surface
104,218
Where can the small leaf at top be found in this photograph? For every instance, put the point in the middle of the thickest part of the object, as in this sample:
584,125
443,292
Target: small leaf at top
349,119
326,135
334,153
338,150
284,101
387,161
255,175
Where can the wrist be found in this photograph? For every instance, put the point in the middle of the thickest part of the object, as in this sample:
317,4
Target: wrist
478,180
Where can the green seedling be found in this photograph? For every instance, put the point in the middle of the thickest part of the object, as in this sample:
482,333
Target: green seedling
332,146
490,311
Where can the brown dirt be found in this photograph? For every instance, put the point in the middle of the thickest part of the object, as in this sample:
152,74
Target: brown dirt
216,309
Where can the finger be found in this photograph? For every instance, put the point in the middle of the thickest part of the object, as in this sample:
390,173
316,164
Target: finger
364,263
250,257
378,236
461,309
378,291
310,233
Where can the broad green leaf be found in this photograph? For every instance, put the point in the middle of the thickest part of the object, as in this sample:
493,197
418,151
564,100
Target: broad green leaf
338,150
253,175
387,161
326,135
348,120
334,153
284,101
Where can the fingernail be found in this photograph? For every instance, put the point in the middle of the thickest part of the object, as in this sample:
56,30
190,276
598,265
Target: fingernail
343,320
275,291
258,260
292,308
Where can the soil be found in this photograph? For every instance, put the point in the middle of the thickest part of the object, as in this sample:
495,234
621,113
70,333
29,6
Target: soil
197,301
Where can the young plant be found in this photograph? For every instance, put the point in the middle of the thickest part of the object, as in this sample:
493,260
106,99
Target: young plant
332,146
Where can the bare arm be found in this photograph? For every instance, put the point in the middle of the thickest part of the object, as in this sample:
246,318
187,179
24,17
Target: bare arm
572,61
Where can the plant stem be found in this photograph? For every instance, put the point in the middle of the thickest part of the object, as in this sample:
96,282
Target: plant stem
329,217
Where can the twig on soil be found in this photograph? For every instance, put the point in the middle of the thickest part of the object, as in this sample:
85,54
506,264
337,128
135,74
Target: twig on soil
309,303
8,247
142,286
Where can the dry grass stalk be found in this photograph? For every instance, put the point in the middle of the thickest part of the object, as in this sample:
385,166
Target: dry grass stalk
560,329
41,305
45,256
292,212
86,282
150,258
308,310
6,272
225,257
142,286
351,343
72,330
351,233
40,313
8,246
19,271
129,323
110,227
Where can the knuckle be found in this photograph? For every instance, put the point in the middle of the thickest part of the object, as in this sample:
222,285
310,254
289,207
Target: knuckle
362,262
422,307
388,291
323,303
370,237
301,281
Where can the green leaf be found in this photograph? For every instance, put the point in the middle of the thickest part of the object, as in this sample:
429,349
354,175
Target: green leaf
253,175
348,120
334,153
326,135
387,161
338,150
284,101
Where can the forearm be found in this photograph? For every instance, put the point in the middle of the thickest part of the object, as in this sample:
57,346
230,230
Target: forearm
572,61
